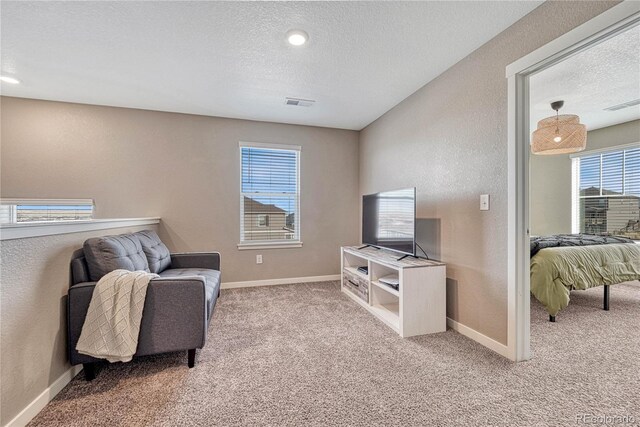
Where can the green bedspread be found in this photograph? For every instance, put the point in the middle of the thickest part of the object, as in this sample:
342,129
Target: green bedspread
556,271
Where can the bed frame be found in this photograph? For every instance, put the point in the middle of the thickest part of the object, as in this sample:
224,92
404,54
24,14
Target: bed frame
605,305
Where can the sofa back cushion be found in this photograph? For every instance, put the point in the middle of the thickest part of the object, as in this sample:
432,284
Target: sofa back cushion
158,255
108,253
79,271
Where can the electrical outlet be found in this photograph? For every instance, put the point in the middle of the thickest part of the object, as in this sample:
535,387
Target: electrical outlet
484,202
258,259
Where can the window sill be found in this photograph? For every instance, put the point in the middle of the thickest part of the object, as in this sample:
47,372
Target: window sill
38,229
269,245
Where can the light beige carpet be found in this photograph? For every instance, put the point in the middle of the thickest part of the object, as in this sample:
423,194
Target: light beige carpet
306,355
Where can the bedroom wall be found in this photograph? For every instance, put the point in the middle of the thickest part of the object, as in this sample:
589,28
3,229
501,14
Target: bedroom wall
449,139
550,179
185,169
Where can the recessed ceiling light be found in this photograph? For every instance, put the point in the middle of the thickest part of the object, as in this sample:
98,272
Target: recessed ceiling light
8,79
297,37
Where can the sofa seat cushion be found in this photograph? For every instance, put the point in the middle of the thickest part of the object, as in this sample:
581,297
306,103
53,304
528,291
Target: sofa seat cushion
212,282
158,254
108,253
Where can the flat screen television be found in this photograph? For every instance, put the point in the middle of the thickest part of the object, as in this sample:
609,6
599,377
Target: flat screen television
389,220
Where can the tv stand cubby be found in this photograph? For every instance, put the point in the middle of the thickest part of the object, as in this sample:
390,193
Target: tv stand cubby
418,307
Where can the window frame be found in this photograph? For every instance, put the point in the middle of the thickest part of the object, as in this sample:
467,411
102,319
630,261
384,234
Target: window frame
14,202
575,179
276,243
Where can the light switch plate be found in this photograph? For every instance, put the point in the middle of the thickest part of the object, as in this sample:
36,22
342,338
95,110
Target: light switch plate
484,202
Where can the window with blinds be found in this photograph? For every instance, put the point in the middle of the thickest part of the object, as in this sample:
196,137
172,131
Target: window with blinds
16,211
269,194
607,192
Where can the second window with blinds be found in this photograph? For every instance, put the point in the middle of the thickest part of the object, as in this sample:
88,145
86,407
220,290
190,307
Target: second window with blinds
269,195
606,192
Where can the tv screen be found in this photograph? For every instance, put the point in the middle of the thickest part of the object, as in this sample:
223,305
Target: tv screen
388,220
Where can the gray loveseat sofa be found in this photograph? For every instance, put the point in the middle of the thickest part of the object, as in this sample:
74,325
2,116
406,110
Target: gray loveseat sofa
178,307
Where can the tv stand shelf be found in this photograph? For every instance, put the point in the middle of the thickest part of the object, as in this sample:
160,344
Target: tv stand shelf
418,307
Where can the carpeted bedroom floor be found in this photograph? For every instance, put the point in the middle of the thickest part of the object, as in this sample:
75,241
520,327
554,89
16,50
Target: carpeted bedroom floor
306,355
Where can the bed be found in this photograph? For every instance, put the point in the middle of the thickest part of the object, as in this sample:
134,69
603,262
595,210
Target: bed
562,263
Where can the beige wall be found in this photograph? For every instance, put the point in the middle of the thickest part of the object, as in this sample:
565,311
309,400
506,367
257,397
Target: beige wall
185,169
550,179
449,139
34,280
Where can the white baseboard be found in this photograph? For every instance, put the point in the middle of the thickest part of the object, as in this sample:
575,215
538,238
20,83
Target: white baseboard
490,343
286,281
32,409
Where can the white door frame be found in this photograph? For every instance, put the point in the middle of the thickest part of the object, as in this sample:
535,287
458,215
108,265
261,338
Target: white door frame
603,26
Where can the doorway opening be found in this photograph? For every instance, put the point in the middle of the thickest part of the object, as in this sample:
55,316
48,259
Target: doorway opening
527,74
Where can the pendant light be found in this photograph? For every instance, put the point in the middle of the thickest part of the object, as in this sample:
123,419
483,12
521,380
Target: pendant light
559,134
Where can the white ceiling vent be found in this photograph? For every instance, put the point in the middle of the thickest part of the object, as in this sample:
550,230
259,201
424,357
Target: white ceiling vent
625,105
299,102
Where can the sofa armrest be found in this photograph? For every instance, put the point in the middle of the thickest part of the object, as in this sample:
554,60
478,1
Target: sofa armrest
78,301
209,260
174,317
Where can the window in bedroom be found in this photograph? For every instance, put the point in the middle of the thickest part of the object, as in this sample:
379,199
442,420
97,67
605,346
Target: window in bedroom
19,211
269,195
606,192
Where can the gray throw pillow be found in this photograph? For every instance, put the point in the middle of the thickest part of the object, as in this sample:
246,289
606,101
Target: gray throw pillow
158,255
108,253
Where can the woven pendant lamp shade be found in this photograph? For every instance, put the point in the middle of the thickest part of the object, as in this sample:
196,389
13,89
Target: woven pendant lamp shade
566,126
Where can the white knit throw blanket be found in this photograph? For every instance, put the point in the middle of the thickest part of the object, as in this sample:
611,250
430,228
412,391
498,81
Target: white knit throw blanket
111,328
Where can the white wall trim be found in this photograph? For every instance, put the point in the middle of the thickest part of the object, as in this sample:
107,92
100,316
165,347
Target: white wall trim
601,27
286,281
38,229
490,343
245,246
13,201
33,408
270,146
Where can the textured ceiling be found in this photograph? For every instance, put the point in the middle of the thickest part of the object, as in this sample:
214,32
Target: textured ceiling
605,75
231,59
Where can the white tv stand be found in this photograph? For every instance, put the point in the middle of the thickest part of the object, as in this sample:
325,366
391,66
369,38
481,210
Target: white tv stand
418,307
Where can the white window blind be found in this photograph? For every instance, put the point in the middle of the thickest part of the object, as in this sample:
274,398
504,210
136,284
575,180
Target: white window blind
13,211
607,192
269,194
